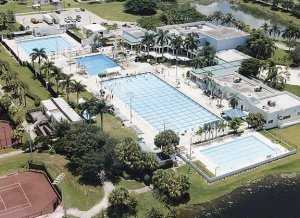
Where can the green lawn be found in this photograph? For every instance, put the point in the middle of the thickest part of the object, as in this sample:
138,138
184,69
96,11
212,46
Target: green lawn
74,193
201,192
25,75
130,184
293,89
109,10
114,128
281,57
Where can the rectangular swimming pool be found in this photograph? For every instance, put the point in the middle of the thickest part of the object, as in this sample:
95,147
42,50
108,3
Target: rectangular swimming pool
52,44
160,104
238,153
96,64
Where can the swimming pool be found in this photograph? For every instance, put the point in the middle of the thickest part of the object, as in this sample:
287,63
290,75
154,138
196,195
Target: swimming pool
239,153
96,64
158,103
50,44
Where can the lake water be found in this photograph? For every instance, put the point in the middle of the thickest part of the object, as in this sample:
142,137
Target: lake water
271,198
227,7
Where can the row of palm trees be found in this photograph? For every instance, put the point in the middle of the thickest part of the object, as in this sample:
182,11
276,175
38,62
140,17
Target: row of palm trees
188,46
13,85
226,20
290,33
211,130
54,75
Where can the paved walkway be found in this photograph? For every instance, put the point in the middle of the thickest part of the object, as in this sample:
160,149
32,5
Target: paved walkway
10,154
141,190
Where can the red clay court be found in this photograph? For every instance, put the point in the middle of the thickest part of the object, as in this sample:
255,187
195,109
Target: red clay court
26,195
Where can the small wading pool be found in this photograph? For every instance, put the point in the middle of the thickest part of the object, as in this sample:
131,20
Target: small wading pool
96,64
52,44
238,153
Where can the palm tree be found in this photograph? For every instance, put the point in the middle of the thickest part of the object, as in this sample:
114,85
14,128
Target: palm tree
233,102
67,84
47,67
98,107
222,126
176,44
78,87
38,54
162,39
200,132
275,30
148,41
265,27
57,75
217,16
198,61
190,43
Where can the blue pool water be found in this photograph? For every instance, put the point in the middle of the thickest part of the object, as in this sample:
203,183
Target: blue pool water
238,153
96,64
50,44
159,103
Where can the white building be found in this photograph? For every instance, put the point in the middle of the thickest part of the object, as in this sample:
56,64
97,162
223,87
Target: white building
58,110
219,37
280,109
95,28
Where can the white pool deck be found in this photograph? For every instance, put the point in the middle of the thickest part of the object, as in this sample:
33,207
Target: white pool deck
234,157
59,54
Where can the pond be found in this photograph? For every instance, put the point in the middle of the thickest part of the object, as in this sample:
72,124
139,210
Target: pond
272,197
226,7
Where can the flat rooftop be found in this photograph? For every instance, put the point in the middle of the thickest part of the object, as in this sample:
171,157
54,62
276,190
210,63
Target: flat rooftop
282,101
231,55
204,29
245,86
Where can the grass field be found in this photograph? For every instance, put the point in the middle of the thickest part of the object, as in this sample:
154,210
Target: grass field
109,10
26,76
281,57
201,192
74,193
130,184
293,89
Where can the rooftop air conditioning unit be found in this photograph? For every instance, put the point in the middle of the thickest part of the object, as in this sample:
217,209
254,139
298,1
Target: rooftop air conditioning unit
258,89
271,103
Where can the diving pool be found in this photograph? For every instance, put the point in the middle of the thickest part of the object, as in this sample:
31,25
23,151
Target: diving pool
96,64
238,153
51,44
158,103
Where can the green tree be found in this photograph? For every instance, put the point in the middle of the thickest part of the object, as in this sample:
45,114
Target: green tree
296,55
154,213
170,187
78,87
67,84
168,141
259,45
141,7
38,54
235,124
250,67
162,39
190,43
255,120
148,41
122,203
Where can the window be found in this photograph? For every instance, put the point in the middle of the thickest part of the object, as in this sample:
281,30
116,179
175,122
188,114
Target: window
270,121
286,117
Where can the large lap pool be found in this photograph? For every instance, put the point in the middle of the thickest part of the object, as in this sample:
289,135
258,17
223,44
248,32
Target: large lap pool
238,153
158,103
52,44
96,64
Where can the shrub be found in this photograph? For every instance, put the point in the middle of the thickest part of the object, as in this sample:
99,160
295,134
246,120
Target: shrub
141,7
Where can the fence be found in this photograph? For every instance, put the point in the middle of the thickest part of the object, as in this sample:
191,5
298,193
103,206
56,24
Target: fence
244,169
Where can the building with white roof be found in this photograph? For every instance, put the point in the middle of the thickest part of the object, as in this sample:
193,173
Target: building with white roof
280,109
95,28
219,37
58,110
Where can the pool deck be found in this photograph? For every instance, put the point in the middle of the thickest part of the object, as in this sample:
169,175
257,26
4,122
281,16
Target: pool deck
214,169
21,53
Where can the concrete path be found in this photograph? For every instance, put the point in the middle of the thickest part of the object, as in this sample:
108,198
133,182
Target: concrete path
141,190
10,154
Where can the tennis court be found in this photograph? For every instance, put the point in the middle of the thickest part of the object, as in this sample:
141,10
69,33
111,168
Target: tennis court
27,194
161,105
